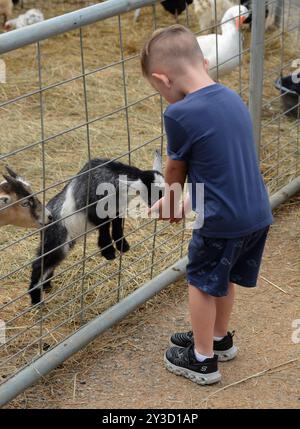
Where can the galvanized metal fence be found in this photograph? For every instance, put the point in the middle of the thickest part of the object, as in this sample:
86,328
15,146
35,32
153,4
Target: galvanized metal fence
74,91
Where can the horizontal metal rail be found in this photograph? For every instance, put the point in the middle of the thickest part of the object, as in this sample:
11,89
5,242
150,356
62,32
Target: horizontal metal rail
285,193
68,22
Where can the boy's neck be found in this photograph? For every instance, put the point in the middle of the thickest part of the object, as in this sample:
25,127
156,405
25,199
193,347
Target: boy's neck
198,87
194,81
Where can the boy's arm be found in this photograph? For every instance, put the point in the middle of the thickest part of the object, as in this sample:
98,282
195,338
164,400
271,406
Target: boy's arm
168,206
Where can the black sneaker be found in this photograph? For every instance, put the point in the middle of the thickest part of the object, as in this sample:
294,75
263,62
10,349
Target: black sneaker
224,349
182,361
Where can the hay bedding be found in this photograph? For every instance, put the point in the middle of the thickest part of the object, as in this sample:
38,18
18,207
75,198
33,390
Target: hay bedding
65,154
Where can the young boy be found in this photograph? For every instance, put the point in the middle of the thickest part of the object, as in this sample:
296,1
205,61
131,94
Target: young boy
210,140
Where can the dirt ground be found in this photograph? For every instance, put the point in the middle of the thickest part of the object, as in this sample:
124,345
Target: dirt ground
129,373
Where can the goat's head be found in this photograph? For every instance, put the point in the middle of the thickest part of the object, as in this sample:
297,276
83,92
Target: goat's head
151,184
17,204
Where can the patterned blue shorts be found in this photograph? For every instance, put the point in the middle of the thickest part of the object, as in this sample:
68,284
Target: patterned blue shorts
214,262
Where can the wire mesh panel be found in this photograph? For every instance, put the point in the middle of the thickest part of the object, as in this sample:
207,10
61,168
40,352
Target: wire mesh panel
79,96
280,122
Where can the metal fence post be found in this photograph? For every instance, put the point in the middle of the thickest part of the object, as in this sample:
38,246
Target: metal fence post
257,67
278,12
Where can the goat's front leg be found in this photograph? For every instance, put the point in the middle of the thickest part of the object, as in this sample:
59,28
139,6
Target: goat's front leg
105,241
118,235
35,287
49,262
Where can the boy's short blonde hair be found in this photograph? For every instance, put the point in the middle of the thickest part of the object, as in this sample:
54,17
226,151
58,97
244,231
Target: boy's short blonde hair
169,45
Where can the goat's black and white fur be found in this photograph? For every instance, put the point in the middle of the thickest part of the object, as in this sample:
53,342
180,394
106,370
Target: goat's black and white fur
69,209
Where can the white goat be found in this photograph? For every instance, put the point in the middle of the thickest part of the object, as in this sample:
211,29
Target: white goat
206,11
32,16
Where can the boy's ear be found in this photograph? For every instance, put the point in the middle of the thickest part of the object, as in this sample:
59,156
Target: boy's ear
206,65
162,78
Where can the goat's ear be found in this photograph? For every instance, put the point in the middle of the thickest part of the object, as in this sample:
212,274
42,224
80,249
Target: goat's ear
11,180
5,200
11,172
157,163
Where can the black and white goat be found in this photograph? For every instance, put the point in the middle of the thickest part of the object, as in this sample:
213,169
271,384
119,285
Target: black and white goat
175,7
75,212
17,204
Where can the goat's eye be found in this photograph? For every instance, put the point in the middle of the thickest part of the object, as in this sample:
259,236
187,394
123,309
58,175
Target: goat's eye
25,203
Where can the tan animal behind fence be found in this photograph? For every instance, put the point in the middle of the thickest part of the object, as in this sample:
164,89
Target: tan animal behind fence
6,9
18,205
209,13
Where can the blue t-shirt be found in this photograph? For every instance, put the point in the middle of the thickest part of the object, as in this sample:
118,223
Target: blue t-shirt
211,129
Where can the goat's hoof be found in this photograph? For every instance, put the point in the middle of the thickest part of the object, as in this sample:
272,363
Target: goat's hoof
47,287
36,302
35,297
109,254
123,247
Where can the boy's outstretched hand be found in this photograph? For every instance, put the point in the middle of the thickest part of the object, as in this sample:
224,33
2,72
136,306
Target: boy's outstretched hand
170,207
161,212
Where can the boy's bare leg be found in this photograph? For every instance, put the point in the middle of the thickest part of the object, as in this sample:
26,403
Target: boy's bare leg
209,317
223,312
203,317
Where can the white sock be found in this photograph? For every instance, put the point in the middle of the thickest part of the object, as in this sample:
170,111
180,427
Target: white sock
218,338
200,357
